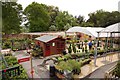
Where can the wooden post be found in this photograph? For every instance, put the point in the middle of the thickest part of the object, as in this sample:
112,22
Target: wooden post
31,65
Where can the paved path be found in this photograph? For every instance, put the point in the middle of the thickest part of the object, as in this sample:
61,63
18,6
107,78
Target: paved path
100,72
39,71
89,68
85,70
26,65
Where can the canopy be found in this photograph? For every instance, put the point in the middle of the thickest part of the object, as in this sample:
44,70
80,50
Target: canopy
115,28
94,31
112,28
81,30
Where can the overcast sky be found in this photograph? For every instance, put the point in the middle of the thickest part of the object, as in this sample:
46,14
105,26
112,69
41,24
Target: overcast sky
77,7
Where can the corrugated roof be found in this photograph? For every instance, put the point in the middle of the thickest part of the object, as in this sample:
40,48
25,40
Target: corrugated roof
46,38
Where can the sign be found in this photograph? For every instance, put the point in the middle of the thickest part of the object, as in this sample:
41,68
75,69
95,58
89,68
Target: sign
23,59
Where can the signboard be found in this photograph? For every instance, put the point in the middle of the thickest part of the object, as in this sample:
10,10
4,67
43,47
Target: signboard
24,59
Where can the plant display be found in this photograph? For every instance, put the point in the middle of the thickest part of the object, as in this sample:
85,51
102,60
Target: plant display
17,43
70,65
68,56
85,41
74,48
37,51
70,49
85,61
100,52
12,62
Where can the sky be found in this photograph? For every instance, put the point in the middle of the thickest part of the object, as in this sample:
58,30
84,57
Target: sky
77,7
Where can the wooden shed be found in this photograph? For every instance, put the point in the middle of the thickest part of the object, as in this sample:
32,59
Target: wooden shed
51,44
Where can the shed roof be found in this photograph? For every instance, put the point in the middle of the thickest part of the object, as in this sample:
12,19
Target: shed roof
46,38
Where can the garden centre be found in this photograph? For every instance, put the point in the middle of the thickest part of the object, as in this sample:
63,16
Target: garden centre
77,46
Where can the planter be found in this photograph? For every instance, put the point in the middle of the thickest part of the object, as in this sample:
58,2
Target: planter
87,61
91,54
77,72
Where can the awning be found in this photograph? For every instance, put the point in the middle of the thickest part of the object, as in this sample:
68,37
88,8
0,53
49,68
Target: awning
81,30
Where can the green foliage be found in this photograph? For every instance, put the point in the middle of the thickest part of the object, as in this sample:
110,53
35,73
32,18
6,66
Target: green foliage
85,41
79,55
18,43
6,45
42,17
70,65
63,19
53,28
70,49
11,17
38,17
12,62
85,61
53,12
37,51
104,18
67,56
74,48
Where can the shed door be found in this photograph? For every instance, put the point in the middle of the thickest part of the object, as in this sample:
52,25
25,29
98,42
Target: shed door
47,53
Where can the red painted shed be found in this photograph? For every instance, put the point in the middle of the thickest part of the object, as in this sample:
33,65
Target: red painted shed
51,44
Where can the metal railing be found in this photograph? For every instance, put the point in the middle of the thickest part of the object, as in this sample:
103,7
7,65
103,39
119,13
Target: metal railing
109,73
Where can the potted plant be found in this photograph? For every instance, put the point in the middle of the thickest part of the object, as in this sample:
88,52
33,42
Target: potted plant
70,49
74,48
86,61
86,45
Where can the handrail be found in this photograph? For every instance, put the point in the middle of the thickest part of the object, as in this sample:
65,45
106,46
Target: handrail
3,58
108,73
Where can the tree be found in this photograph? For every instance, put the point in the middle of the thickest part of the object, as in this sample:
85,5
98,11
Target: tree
38,17
52,28
11,17
64,19
53,12
67,26
102,18
80,19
